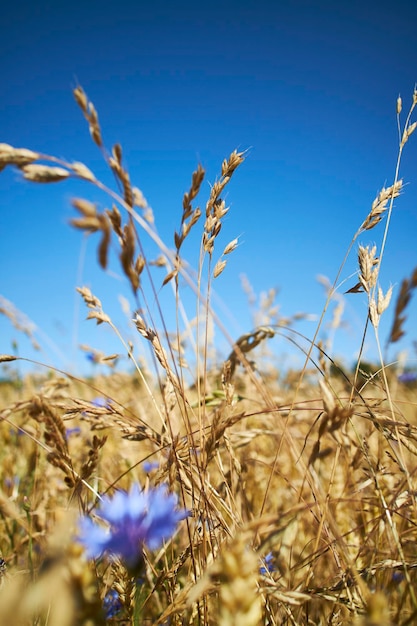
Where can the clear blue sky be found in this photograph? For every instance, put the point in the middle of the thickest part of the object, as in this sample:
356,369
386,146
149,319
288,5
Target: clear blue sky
309,87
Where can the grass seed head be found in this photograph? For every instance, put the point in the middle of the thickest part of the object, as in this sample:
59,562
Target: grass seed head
16,156
219,267
44,173
399,105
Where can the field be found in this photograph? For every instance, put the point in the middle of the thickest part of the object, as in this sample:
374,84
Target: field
199,490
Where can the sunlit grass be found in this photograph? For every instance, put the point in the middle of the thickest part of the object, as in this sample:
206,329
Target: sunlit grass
294,491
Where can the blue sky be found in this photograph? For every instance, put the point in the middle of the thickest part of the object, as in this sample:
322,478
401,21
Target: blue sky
309,88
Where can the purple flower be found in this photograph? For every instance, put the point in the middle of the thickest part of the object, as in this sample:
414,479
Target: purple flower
408,377
149,466
112,604
135,518
72,431
269,567
397,577
101,402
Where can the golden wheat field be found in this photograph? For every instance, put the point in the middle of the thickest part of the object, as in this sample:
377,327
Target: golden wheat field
194,490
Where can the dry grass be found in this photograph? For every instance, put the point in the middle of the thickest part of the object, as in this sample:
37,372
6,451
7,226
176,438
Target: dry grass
301,488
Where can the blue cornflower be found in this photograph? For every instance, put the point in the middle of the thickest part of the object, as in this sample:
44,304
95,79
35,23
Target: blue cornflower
408,377
112,604
101,402
397,577
269,567
136,518
72,431
149,466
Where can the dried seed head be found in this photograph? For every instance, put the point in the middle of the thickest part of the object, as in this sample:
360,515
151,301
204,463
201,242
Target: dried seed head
232,245
117,152
95,130
196,181
96,135
89,298
402,303
217,228
399,105
379,205
115,166
88,209
140,265
411,128
368,267
4,358
89,224
115,219
16,156
383,301
105,240
215,206
44,173
148,215
82,171
373,313
219,267
81,98
161,261
99,316
220,209
195,217
138,198
208,243
127,188
139,323
209,223
235,159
